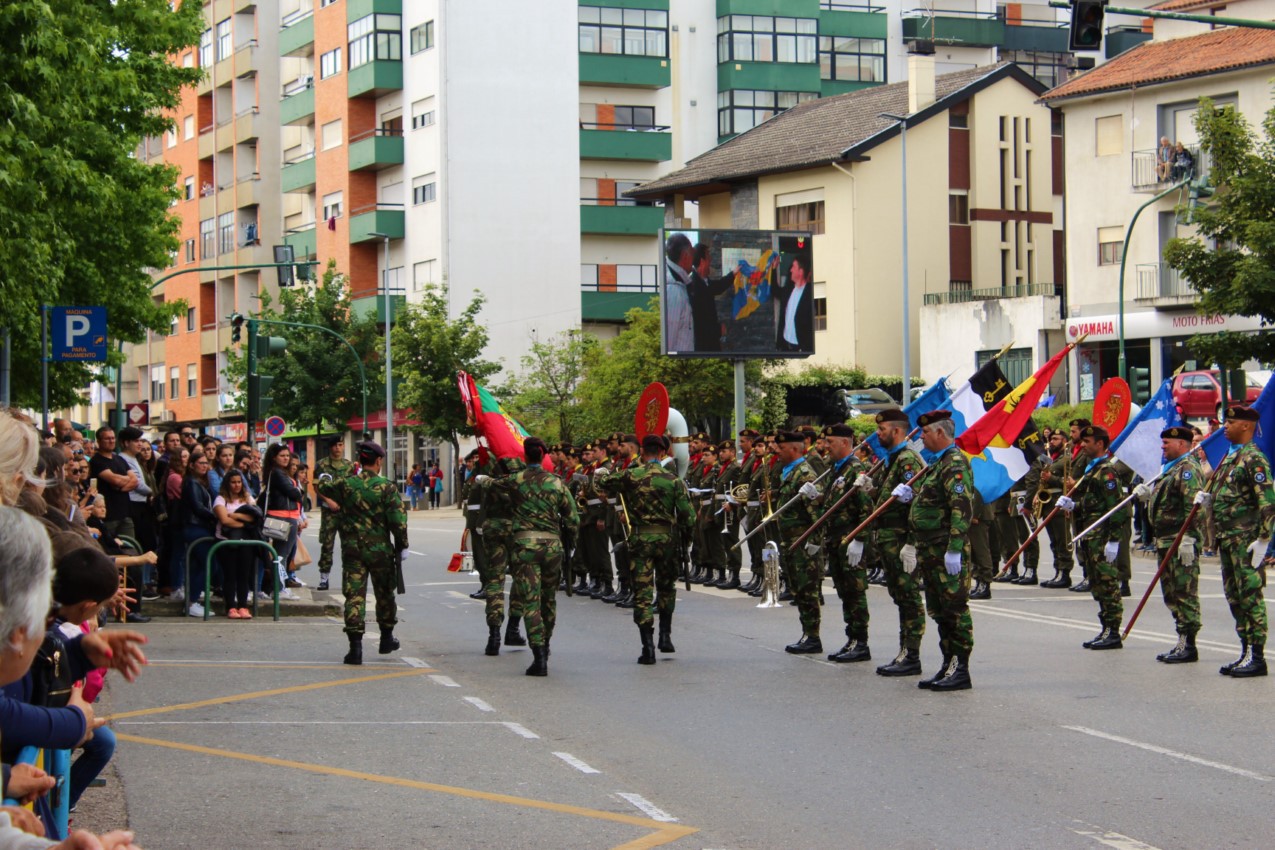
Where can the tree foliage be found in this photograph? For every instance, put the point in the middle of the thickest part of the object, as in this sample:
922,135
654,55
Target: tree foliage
545,395
1231,264
82,84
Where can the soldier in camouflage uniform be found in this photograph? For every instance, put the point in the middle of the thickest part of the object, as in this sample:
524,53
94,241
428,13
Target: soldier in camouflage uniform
1243,505
939,519
373,536
545,520
1013,532
982,563
479,463
849,573
658,506
336,466
1169,504
497,533
890,531
1044,486
1098,493
796,478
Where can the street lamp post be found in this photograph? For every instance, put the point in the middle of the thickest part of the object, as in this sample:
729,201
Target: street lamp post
389,364
907,318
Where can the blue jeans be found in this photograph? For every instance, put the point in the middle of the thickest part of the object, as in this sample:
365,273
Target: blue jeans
413,493
97,752
199,559
284,549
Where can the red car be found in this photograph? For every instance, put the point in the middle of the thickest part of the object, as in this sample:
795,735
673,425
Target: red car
1198,394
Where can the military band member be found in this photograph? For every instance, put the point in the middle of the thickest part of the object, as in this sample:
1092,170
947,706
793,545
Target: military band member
336,466
479,463
871,555
810,435
982,562
497,533
708,503
1011,510
849,571
658,506
1243,507
1098,493
752,456
728,513
761,490
797,478
1044,486
594,545
1169,503
1077,457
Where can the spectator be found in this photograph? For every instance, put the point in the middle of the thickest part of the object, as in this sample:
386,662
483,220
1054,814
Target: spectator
190,438
201,522
1163,159
172,442
19,452
415,482
1183,163
175,529
435,485
235,522
115,480
139,497
244,463
223,462
282,499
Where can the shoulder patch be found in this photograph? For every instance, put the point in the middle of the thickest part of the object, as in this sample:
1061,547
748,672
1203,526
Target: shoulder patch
1186,475
959,488
1111,485
907,476
1259,476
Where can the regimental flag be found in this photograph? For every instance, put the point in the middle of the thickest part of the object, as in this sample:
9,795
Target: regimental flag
1138,445
1005,421
752,284
997,467
483,413
935,397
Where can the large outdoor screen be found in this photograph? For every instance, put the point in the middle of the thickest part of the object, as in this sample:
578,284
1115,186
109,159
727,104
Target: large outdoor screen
737,294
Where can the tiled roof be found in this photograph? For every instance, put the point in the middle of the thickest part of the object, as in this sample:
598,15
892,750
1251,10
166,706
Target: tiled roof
818,132
1185,5
1175,59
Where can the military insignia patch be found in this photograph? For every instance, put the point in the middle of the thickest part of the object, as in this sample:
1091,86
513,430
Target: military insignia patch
1186,475
1111,485
907,476
959,488
1259,477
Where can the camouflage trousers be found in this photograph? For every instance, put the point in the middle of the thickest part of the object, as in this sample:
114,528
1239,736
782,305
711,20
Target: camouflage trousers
497,546
805,577
947,597
1180,586
903,590
982,563
1243,586
1104,581
536,564
656,564
356,568
327,540
851,583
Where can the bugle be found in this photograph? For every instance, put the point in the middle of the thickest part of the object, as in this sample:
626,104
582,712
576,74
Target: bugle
785,506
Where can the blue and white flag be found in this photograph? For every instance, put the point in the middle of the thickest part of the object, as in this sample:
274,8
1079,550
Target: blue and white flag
1215,446
1138,445
935,397
996,470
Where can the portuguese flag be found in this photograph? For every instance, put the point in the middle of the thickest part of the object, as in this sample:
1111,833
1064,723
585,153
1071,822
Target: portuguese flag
500,431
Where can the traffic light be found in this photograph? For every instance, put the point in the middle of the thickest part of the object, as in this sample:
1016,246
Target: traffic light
305,272
258,384
1086,24
236,326
285,254
1140,383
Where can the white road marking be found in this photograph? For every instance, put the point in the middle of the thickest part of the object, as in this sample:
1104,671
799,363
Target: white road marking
310,723
456,594
1216,765
246,662
982,608
576,763
445,681
647,807
414,552
813,658
411,661
479,704
1112,839
519,729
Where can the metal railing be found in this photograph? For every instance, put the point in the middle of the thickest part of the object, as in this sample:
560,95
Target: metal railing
376,132
305,82
620,287
208,562
1147,177
1159,280
961,296
837,6
639,128
368,208
300,158
57,763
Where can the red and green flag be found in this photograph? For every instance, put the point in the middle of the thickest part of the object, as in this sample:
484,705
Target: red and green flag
500,431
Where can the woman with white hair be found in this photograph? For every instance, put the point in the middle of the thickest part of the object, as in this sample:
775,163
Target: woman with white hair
19,451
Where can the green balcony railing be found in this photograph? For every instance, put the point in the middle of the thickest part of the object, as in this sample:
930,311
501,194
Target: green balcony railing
376,149
624,219
388,219
304,241
1120,39
298,174
375,78
297,36
949,26
613,141
608,69
961,296
297,106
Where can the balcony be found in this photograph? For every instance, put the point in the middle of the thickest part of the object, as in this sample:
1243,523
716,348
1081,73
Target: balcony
375,78
769,76
376,218
642,72
297,106
374,305
609,303
298,174
1161,286
1120,39
615,141
604,217
356,9
207,141
304,241
248,191
1145,177
297,36
376,150
955,27
246,125
246,59
960,295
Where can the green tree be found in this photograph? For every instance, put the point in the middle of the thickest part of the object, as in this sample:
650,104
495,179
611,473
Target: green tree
82,220
316,379
545,396
429,348
1231,263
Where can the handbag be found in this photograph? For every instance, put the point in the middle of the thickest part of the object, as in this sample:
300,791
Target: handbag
274,528
51,680
302,557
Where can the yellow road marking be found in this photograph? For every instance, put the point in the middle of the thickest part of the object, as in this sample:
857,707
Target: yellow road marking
186,706
663,833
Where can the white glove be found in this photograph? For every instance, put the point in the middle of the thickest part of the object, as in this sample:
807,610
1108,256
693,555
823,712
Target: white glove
481,479
908,556
1066,504
700,491
812,548
580,478
854,552
1111,551
808,491
731,500
952,563
1143,492
840,482
903,494
1186,551
1204,499
864,482
1257,550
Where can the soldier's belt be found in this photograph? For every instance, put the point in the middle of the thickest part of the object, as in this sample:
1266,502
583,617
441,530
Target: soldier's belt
926,536
1018,494
613,501
535,535
753,504
706,501
594,502
475,507
721,497
652,529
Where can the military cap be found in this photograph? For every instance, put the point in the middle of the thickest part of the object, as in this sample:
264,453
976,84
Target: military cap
1177,432
932,417
840,429
702,435
630,438
652,443
369,449
809,430
726,444
616,436
1242,413
893,414
750,433
1079,423
664,441
587,447
789,437
1096,433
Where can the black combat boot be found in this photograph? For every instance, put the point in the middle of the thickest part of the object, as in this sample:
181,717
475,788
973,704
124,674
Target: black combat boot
1184,653
981,590
906,663
582,586
957,678
697,575
512,637
648,645
1011,576
480,593
389,643
808,645
1125,591
1108,638
926,684
323,582
1254,663
615,595
602,591
594,589
785,595
732,583
629,600
1081,586
493,640
666,632
856,649
1226,669
540,663
355,655
1028,577
1061,579
753,583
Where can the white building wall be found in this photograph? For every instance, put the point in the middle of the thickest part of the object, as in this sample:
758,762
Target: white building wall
952,334
422,149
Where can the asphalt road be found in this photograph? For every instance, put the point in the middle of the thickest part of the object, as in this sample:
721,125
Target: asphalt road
254,735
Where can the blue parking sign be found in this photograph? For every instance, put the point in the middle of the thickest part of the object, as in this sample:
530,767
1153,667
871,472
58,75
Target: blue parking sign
79,333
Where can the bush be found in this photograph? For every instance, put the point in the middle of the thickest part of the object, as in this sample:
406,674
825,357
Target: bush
817,385
1058,416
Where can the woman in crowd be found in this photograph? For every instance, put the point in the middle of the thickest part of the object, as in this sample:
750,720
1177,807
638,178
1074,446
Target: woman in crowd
435,485
201,522
223,462
234,522
282,501
175,530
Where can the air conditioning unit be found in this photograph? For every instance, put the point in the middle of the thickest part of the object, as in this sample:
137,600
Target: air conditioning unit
168,416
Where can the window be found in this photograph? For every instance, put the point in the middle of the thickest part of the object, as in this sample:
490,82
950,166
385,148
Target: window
225,233
424,189
157,383
325,3
188,127
190,318
188,59
224,41
743,109
635,277
853,59
190,250
332,205
174,383
422,113
958,120
808,216
1110,245
171,137
821,314
190,188
192,380
631,32
1109,135
205,48
634,117
423,275
762,38
375,37
330,64
1048,68
330,135
207,239
958,208
589,276
422,37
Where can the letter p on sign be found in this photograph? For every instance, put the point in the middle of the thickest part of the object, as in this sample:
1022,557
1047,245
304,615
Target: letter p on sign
79,333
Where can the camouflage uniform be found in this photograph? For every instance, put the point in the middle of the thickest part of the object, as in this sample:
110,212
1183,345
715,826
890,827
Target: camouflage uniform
373,532
1098,492
889,536
939,517
545,520
982,564
804,574
851,582
498,528
1170,504
1243,509
329,521
475,515
619,529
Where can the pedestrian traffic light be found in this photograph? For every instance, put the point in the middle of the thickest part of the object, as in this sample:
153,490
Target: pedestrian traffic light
1086,24
236,326
258,384
285,254
1140,383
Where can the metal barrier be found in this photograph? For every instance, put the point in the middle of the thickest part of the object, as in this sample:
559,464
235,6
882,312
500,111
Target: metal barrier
57,763
217,544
